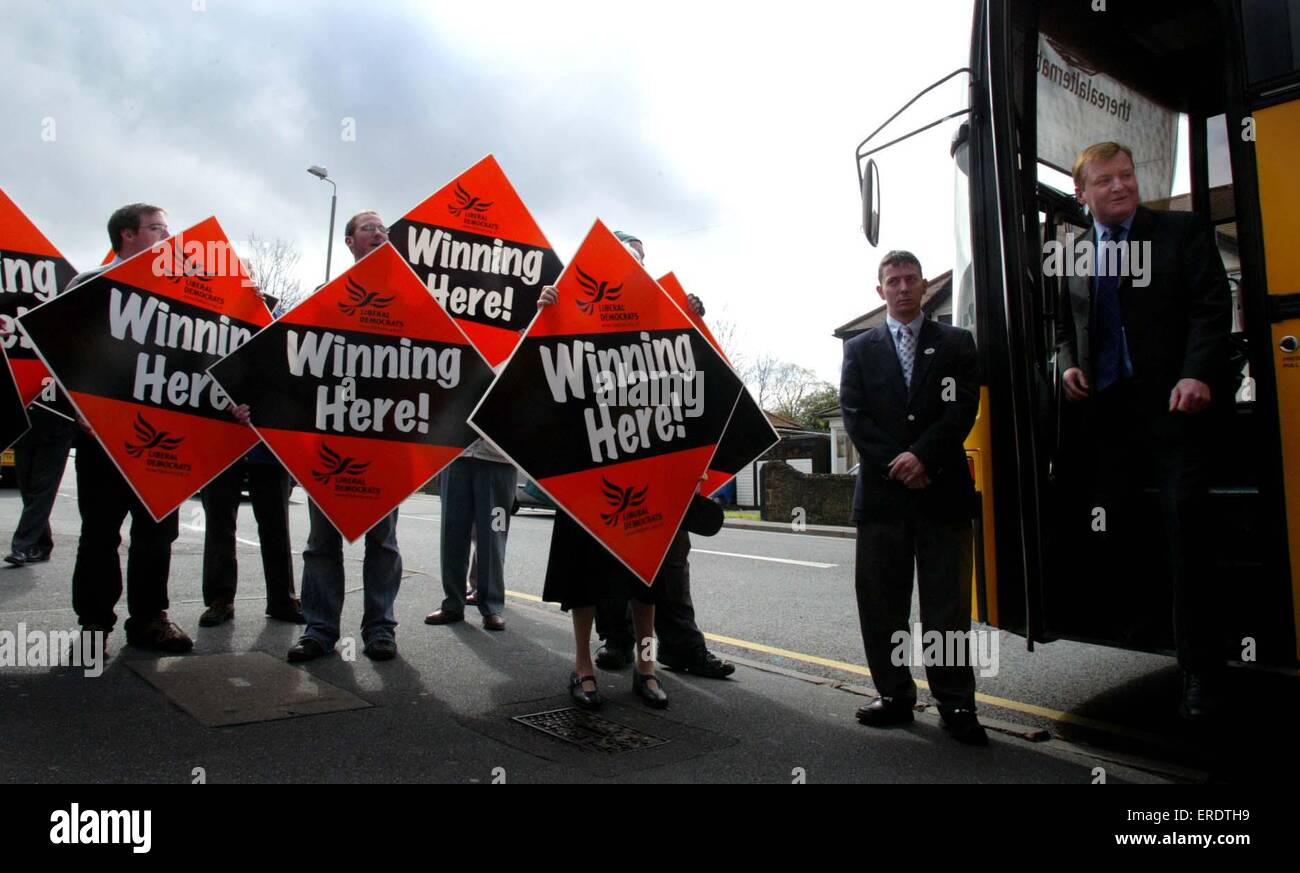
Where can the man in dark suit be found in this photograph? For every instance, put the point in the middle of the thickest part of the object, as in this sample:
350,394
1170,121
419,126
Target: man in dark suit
909,392
1144,346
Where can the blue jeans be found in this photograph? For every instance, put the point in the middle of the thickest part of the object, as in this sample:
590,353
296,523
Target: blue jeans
471,489
322,580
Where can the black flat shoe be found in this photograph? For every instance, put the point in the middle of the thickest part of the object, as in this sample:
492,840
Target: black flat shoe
885,712
581,696
655,696
307,649
964,727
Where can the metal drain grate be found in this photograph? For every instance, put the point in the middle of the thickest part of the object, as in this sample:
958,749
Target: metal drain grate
589,731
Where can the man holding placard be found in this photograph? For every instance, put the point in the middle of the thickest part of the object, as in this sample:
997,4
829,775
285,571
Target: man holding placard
322,570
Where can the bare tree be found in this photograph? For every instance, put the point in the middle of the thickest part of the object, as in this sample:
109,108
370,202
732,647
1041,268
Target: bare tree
273,265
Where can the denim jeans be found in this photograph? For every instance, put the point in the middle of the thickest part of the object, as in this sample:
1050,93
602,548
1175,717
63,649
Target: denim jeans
471,489
323,580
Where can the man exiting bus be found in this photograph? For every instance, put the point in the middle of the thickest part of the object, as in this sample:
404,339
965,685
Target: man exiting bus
1148,354
909,392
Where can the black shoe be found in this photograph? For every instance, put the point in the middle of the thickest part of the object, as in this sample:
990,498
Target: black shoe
1198,700
885,712
654,696
220,612
16,558
159,635
609,658
382,649
964,726
704,664
290,612
581,696
307,649
36,556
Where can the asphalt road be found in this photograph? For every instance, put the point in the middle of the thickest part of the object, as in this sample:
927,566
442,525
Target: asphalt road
776,601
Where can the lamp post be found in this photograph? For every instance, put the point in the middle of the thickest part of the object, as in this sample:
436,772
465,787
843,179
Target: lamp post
323,174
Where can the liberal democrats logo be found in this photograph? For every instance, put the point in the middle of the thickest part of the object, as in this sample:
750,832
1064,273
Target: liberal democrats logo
621,499
594,292
335,465
359,298
467,204
150,438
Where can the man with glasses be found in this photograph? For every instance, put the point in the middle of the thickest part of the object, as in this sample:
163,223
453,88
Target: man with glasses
322,570
104,500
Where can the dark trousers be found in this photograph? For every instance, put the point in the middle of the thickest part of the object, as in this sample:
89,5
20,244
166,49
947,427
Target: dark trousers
105,499
1136,444
940,554
269,487
679,635
40,458
476,497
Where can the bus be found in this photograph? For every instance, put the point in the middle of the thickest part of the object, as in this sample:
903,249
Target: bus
1207,92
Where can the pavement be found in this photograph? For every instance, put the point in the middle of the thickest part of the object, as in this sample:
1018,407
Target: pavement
445,710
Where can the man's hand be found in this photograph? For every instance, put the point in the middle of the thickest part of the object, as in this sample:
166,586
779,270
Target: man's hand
241,413
1189,395
548,296
1076,384
697,305
908,469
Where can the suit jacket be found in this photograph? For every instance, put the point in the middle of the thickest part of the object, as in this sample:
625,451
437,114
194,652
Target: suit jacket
1176,327
884,418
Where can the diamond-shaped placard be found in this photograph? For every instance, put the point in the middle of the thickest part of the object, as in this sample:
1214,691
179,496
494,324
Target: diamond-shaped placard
131,348
612,403
362,390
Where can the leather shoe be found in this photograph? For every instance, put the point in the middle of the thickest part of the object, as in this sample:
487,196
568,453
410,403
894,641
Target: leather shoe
581,696
653,696
611,658
307,649
36,556
290,612
964,727
438,616
704,664
382,649
16,558
220,612
159,635
494,622
1198,699
885,712
471,597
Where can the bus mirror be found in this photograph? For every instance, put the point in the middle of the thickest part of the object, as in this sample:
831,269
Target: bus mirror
871,202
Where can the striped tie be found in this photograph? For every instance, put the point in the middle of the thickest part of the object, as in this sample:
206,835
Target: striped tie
906,352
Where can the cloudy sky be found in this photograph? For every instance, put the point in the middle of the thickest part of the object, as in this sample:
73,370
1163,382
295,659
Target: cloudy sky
721,133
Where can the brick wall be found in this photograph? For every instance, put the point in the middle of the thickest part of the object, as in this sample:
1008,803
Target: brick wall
825,498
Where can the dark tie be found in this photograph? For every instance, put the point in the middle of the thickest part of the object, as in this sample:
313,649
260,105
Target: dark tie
1109,339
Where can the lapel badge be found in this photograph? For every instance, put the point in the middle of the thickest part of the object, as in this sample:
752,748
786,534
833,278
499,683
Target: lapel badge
930,350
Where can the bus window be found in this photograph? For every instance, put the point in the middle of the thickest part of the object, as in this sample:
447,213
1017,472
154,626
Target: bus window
1272,31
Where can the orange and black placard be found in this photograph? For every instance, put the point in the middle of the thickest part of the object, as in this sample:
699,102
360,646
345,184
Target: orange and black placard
613,403
749,434
362,390
32,272
481,255
131,348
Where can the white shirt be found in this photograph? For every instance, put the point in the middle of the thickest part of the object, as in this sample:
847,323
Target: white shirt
914,326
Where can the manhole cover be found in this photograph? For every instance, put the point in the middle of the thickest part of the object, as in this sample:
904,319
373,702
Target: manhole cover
589,731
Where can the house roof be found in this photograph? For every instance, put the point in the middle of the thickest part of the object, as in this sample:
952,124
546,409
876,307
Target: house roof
939,291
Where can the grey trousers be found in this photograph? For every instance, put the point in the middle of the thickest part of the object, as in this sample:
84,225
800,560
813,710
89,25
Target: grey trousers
472,490
323,580
940,552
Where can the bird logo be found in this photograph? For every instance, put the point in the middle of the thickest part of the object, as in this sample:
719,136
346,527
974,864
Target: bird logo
362,299
595,292
622,499
467,202
150,438
337,465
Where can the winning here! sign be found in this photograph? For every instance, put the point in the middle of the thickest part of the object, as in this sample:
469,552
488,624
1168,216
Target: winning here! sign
749,434
131,348
481,255
32,272
613,403
362,390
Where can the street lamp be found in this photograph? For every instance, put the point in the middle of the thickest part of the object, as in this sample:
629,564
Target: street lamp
323,174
